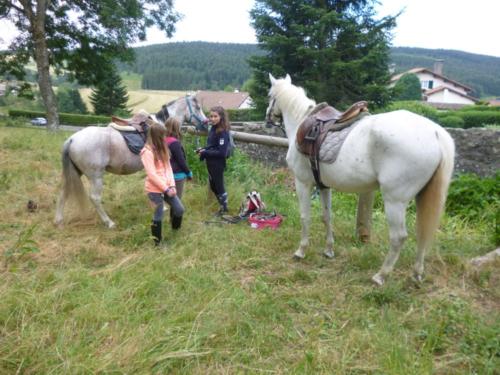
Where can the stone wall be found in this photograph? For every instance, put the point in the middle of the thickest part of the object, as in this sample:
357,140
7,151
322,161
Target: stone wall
477,149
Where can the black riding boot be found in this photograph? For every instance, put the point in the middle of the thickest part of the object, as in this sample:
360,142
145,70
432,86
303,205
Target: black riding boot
223,203
156,231
176,222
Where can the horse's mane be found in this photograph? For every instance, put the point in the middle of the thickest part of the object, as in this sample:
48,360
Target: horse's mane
293,99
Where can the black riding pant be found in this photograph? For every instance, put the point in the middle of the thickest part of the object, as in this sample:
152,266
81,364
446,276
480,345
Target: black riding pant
215,169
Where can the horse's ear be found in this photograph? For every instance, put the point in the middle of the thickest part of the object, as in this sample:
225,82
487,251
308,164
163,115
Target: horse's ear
288,79
272,79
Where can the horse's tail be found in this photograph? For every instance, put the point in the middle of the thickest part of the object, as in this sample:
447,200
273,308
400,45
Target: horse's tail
431,199
72,186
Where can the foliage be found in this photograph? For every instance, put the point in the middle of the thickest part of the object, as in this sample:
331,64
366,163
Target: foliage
418,107
408,88
228,298
475,198
480,72
336,50
192,65
244,115
79,38
109,96
451,121
69,100
475,119
85,46
66,118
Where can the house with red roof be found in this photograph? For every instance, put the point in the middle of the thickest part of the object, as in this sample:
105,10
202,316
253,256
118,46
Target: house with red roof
227,100
438,90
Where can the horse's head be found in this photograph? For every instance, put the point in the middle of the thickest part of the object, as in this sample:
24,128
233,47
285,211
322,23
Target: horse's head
194,113
273,111
185,109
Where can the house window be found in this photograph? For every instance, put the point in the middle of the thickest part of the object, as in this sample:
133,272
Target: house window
427,84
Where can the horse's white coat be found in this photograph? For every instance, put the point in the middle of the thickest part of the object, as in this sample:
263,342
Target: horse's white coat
95,150
403,154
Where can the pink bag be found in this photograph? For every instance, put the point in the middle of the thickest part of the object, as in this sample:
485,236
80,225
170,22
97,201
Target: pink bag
260,220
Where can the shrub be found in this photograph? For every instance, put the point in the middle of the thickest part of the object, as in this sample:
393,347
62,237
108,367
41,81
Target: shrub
249,114
451,121
474,198
477,119
417,107
64,118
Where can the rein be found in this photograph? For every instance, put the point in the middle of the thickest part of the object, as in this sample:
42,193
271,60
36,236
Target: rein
192,114
269,121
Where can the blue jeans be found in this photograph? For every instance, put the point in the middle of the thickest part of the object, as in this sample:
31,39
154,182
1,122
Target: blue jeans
174,203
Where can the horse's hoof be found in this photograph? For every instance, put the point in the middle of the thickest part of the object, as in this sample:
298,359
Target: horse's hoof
298,255
111,225
329,254
418,278
378,279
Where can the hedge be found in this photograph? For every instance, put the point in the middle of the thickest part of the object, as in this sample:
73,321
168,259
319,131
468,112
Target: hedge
478,119
64,118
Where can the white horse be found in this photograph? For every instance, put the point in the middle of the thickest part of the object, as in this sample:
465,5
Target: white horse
405,155
95,150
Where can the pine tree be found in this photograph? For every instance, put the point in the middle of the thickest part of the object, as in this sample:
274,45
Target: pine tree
110,95
335,49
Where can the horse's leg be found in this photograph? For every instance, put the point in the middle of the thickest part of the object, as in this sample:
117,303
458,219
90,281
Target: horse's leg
364,216
96,186
326,201
304,195
396,218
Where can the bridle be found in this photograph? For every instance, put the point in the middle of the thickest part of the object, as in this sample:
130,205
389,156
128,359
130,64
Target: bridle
201,122
269,120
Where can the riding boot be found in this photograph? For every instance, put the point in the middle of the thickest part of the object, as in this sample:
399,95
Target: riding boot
156,231
222,198
176,222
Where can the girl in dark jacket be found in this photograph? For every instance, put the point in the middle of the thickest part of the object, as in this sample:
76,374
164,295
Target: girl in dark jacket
215,154
177,161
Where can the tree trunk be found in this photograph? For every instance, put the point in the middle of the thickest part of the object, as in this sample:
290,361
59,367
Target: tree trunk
41,55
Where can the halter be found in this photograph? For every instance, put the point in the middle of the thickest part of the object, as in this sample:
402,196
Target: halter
269,121
200,125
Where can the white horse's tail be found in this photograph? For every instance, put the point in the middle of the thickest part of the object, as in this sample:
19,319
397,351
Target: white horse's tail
431,199
72,183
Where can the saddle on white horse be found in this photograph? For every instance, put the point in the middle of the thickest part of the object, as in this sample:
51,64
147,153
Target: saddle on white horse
321,135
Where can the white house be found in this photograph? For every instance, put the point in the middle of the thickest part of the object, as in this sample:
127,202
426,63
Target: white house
437,89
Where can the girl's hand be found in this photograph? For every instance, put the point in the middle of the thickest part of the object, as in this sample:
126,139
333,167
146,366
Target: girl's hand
170,192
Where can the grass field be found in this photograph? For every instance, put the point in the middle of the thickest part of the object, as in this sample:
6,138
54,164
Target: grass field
226,299
150,100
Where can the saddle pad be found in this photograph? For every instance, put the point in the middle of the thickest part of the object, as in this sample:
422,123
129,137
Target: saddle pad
330,148
134,140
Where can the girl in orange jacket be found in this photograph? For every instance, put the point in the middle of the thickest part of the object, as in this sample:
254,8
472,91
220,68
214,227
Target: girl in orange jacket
159,183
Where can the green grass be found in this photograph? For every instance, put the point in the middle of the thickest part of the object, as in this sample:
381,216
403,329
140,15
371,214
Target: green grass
226,298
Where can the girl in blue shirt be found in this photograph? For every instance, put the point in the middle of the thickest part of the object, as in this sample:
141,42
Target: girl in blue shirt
215,153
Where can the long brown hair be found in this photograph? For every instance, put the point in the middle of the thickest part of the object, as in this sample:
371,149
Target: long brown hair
224,119
173,127
156,134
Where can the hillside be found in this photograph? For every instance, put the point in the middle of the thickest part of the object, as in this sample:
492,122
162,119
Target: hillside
192,65
213,66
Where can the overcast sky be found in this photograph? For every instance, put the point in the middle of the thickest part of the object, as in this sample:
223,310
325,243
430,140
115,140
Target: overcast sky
470,26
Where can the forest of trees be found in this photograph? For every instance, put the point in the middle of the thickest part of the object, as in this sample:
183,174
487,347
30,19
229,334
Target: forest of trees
213,66
192,65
